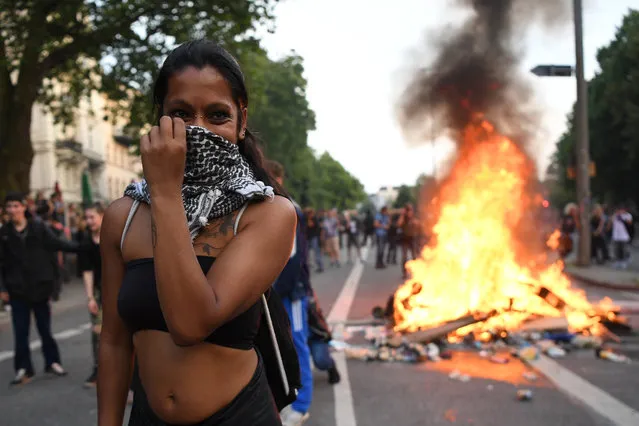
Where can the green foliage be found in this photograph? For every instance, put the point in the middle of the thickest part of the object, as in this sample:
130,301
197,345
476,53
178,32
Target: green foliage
405,195
613,119
62,51
280,115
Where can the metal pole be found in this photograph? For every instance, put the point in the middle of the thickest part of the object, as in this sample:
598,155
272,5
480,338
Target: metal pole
583,157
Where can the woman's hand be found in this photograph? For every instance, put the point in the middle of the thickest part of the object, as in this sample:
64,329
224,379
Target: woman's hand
163,153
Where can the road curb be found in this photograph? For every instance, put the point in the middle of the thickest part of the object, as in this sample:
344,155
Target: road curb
602,284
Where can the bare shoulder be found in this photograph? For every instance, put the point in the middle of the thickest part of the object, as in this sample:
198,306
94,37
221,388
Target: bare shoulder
276,213
114,219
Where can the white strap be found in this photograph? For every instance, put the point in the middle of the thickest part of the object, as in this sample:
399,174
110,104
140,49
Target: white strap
276,346
129,219
237,219
269,320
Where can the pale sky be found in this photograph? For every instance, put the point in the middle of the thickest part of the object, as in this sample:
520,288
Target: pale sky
357,54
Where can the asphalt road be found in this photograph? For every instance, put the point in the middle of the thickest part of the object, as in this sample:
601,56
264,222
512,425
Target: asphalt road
372,393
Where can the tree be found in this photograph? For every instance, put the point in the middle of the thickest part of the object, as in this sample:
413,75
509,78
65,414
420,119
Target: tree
336,186
52,51
613,119
405,195
280,114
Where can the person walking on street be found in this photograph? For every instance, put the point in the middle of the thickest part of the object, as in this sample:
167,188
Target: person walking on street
90,264
331,227
314,234
352,236
382,224
409,225
293,286
28,271
621,236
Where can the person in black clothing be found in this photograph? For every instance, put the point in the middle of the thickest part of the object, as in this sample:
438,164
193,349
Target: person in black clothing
313,235
90,263
28,272
393,239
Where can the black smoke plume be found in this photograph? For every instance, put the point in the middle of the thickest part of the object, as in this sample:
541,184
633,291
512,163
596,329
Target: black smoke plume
475,69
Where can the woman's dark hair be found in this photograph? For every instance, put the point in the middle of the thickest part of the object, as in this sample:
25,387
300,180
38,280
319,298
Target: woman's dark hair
206,53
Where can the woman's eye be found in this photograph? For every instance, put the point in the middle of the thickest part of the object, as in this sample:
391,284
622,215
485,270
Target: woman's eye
218,116
180,114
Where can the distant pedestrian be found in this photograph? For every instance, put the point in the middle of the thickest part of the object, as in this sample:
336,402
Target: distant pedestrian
90,264
352,228
314,235
622,230
29,271
410,229
331,234
382,224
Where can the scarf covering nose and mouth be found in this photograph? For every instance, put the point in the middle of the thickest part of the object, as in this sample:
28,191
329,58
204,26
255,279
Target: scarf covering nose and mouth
217,180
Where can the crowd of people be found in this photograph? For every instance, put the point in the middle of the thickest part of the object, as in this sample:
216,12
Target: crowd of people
328,232
202,273
612,230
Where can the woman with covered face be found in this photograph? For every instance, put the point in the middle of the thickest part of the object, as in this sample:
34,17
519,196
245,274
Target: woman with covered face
187,254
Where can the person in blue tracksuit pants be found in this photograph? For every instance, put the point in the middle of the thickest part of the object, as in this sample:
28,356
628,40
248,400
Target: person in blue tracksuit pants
293,287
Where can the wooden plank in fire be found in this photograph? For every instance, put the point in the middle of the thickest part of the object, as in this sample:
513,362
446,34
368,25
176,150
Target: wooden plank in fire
425,336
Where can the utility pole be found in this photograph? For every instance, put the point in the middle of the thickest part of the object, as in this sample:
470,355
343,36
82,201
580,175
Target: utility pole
582,171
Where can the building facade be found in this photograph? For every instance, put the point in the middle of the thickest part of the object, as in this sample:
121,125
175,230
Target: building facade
92,146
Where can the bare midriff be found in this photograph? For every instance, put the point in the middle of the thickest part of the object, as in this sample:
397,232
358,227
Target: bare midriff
185,385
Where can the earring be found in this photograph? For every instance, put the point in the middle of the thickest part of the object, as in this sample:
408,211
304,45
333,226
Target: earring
242,133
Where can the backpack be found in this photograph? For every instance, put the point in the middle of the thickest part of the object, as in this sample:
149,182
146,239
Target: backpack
630,228
274,340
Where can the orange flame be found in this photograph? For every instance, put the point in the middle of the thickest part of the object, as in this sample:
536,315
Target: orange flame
482,256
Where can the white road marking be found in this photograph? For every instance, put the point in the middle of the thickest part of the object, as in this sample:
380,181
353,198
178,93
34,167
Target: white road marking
631,295
63,335
344,409
596,398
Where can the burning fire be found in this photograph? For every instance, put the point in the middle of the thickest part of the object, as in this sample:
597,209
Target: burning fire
478,260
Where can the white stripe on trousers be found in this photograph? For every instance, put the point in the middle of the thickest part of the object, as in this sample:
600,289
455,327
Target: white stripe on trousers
296,314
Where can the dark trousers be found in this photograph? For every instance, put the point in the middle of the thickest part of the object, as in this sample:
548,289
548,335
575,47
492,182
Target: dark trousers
96,327
598,245
381,247
391,256
21,320
321,355
409,244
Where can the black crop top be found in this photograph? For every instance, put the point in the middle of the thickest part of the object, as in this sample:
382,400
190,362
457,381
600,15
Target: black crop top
139,307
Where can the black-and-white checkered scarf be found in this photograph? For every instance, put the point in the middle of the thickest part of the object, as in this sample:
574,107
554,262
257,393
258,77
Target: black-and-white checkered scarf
217,180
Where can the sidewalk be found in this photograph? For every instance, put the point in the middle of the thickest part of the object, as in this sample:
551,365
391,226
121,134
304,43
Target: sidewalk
73,295
607,276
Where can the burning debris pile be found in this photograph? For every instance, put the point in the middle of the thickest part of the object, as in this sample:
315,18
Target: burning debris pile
484,258
485,276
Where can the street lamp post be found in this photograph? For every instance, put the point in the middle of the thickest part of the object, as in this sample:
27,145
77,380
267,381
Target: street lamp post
582,172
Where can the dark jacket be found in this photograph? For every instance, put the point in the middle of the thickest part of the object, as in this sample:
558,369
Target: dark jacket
28,268
294,281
